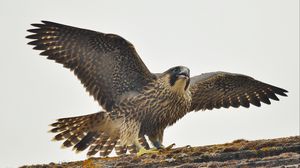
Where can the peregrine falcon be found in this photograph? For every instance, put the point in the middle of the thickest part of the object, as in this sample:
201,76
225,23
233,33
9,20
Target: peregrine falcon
136,103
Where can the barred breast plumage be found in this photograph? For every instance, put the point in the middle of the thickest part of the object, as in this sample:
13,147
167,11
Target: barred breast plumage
157,107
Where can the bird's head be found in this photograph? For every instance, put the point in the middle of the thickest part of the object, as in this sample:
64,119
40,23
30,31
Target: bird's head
178,78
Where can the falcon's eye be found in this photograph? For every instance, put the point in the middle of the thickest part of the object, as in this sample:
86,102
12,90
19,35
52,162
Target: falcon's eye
176,70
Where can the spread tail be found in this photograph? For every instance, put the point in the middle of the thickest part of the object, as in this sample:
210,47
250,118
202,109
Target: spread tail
96,131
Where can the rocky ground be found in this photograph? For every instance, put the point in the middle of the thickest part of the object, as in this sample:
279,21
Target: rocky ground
281,152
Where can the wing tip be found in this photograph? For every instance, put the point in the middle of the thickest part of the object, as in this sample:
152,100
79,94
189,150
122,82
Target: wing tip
32,30
34,42
279,91
283,93
46,21
38,25
31,36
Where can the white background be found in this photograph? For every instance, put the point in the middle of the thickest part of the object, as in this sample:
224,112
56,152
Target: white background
259,38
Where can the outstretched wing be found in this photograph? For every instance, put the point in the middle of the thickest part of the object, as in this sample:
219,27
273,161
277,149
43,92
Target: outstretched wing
106,64
222,89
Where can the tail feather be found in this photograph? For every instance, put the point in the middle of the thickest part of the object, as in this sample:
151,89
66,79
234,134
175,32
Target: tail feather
84,132
74,126
86,141
69,133
108,147
97,145
71,141
63,135
119,149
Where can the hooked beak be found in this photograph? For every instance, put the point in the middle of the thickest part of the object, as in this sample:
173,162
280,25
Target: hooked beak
184,74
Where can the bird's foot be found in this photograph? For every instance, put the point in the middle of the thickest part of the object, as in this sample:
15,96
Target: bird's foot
143,151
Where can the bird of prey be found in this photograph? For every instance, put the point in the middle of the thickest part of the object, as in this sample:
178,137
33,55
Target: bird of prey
136,103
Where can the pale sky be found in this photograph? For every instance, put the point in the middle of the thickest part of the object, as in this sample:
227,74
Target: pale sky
259,38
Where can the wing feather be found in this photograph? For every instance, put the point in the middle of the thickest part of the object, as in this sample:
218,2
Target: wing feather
106,64
222,89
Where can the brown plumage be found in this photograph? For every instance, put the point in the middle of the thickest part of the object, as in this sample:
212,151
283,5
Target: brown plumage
137,103
221,89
